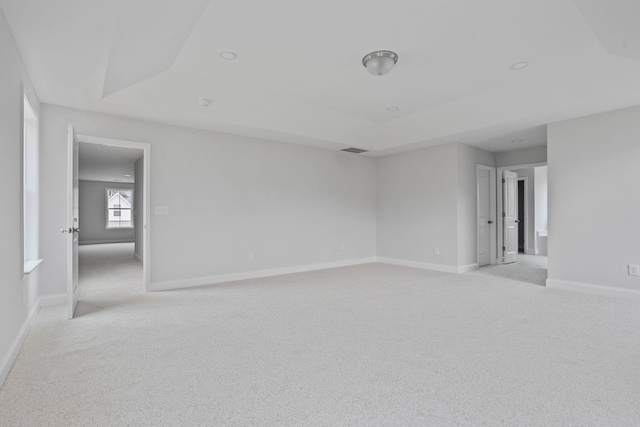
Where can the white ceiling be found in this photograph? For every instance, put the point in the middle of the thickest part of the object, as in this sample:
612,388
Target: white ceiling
299,77
107,163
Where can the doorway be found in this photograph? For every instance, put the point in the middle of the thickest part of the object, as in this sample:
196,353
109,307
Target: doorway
113,217
522,214
486,215
531,220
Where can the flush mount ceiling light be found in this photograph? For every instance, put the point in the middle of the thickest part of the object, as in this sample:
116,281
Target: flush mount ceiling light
204,102
516,141
380,62
229,56
127,175
393,108
519,65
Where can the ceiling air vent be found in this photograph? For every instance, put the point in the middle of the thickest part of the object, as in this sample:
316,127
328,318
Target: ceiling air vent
354,150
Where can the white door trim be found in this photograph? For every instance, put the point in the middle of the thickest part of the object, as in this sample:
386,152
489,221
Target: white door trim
499,196
492,211
146,201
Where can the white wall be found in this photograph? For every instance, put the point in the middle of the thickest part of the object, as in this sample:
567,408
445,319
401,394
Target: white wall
138,213
227,196
594,208
417,205
427,199
541,207
525,156
93,214
13,311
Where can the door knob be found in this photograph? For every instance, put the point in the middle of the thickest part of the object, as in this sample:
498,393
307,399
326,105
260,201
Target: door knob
76,230
517,220
66,230
489,222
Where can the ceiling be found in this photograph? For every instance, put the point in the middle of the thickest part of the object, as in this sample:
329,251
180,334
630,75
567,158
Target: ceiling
107,163
298,75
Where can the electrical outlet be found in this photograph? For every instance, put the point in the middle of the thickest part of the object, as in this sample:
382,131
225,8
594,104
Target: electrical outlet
634,270
252,256
436,251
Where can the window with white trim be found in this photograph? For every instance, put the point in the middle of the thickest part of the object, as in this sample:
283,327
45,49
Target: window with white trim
30,189
119,208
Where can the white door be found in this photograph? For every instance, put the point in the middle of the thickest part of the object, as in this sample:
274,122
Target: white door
484,218
72,229
510,216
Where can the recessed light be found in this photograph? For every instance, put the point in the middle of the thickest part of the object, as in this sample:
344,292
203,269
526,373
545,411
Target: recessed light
229,56
204,102
517,141
519,65
127,175
393,108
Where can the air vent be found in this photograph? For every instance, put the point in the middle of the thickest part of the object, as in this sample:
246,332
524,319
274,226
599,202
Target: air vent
354,150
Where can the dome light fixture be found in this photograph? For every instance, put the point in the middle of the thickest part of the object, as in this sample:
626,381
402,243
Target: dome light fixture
229,56
519,65
380,62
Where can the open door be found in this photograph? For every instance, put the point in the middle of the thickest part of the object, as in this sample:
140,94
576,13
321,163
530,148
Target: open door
510,216
72,229
484,217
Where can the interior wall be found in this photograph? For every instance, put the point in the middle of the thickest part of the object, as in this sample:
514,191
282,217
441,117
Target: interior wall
427,199
531,208
467,174
14,308
525,156
93,214
593,203
417,205
138,213
227,196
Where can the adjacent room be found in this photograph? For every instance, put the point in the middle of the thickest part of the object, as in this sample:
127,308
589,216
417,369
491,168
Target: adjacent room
320,213
110,242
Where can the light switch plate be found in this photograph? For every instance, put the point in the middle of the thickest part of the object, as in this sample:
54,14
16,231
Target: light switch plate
634,270
162,210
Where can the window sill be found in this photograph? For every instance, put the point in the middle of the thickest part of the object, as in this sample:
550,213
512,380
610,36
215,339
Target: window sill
30,265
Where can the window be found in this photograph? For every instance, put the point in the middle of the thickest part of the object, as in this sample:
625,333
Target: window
30,135
119,208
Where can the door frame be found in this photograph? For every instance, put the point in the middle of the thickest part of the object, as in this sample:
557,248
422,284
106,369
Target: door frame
499,255
146,199
492,212
526,212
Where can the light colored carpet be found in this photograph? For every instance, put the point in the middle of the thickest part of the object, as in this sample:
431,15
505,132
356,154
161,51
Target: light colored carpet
365,345
528,269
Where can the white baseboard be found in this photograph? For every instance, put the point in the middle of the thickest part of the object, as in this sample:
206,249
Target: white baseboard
592,289
428,266
138,257
10,357
210,280
100,242
54,299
